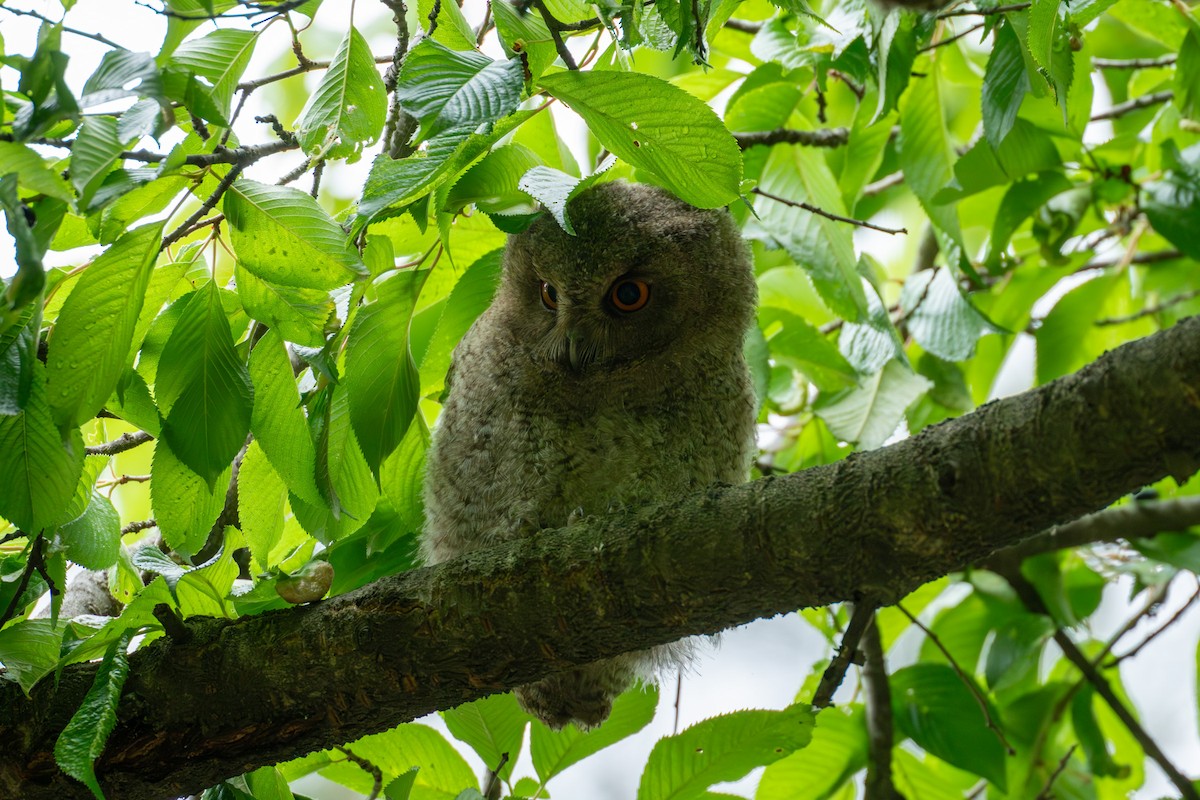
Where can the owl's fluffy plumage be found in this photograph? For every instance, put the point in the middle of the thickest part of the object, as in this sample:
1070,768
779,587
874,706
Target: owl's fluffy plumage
588,407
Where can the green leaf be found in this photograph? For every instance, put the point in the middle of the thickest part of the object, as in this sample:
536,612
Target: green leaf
203,388
347,110
343,473
1173,207
185,506
93,539
491,185
278,420
121,73
402,476
95,150
138,203
837,751
1091,738
29,651
1004,85
33,173
38,469
527,31
822,246
262,501
300,315
442,771
282,235
869,414
932,706
801,346
656,126
381,377
927,160
91,340
723,748
939,317
1187,74
82,740
449,25
447,323
897,50
493,727
554,751
456,91
555,190
221,57
204,591
1020,201
396,183
1043,29
1015,648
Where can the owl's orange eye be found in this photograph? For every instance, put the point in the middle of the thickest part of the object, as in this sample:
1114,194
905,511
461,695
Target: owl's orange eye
629,295
549,296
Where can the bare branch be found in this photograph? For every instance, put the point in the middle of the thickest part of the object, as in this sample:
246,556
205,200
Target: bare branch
1137,103
827,137
835,673
827,214
505,616
126,441
1133,63
66,28
983,12
555,33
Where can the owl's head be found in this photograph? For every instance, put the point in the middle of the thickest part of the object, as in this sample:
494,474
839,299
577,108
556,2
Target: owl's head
646,279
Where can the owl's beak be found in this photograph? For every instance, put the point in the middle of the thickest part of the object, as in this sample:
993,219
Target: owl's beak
574,352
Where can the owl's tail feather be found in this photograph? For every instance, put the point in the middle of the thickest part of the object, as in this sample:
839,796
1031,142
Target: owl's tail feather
585,695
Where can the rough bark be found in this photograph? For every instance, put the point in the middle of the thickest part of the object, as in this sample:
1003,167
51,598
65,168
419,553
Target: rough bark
240,694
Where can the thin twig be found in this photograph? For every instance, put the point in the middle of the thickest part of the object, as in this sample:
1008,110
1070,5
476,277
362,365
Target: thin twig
140,525
222,155
1150,310
369,768
1131,521
1045,793
828,215
952,39
966,679
306,66
1138,258
1115,660
1133,63
826,137
883,184
984,12
400,125
1145,101
835,673
205,207
555,34
66,29
743,26
126,441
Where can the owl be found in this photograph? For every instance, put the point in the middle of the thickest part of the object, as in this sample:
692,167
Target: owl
607,373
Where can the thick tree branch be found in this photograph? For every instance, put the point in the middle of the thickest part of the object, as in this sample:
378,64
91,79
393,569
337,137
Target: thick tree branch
256,690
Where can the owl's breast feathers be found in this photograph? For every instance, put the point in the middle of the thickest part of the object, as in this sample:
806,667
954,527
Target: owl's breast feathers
521,445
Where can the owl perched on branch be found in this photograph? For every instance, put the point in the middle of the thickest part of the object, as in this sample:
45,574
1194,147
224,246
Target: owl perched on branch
608,372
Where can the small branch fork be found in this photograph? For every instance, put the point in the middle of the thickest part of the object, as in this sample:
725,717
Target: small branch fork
828,215
860,617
